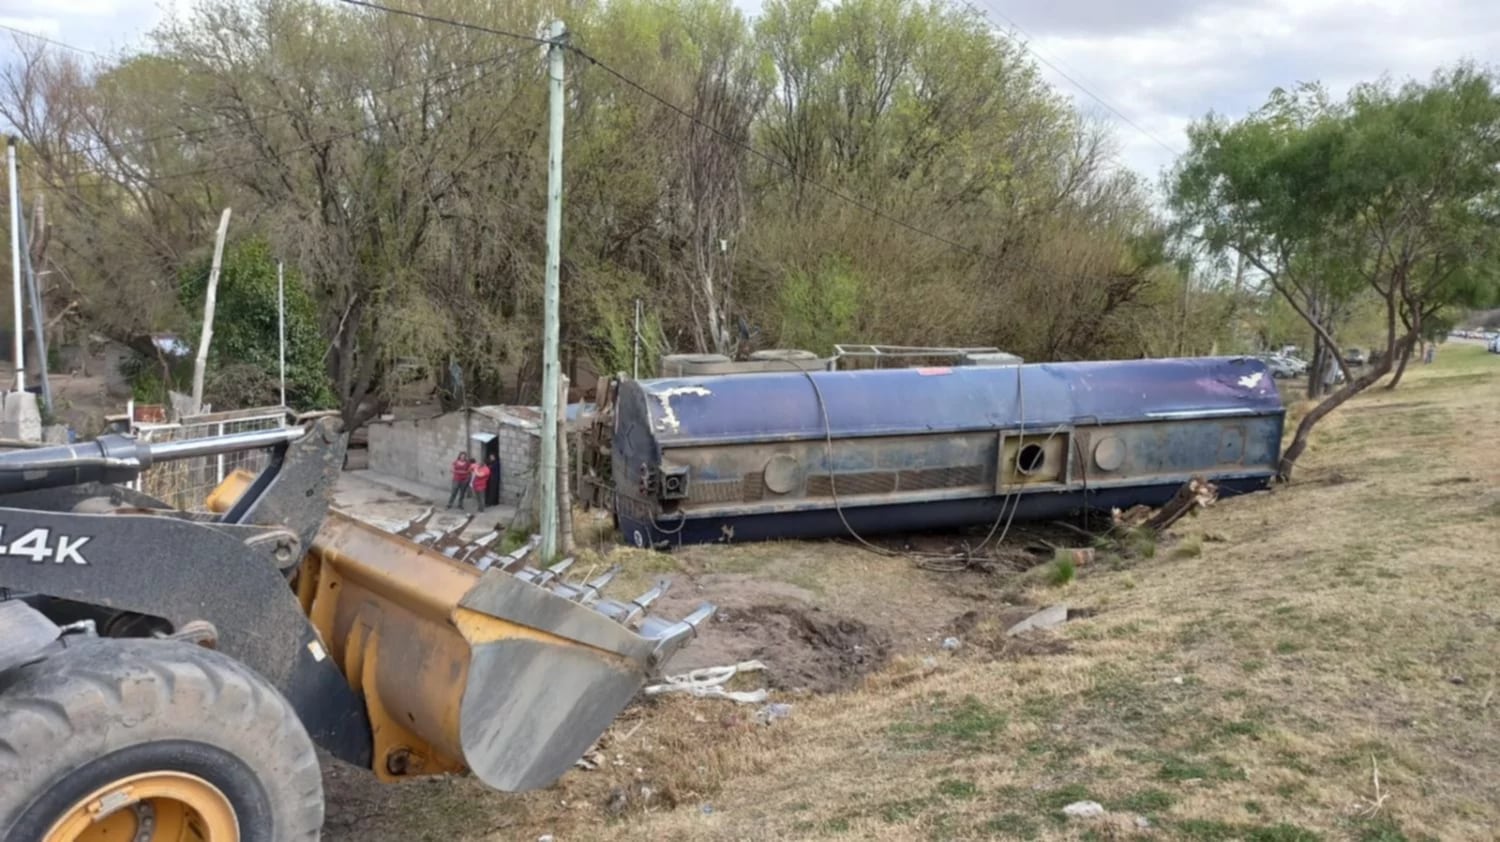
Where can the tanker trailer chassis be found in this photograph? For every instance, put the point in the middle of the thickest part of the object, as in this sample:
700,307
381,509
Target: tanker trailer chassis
165,674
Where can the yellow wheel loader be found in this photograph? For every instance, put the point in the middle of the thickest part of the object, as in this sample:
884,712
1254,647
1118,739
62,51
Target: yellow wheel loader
165,675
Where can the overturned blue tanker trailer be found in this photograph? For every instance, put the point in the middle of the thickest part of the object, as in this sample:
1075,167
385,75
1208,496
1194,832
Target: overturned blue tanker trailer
807,454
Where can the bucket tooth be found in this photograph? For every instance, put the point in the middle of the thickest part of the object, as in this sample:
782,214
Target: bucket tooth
458,528
627,613
596,585
586,592
554,572
479,546
416,525
672,635
488,560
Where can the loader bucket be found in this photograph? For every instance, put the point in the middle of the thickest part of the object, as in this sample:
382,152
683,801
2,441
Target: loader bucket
463,669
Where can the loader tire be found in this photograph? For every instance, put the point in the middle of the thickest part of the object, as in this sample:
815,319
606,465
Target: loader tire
150,739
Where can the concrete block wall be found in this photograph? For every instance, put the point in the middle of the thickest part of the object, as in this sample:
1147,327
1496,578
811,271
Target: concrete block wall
519,453
419,450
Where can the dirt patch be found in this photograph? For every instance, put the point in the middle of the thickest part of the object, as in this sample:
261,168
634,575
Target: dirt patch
803,648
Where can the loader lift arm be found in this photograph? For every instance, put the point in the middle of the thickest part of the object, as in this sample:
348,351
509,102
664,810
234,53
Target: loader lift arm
390,654
95,545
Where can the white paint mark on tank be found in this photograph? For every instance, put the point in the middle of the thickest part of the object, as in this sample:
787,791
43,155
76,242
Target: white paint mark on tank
1250,381
668,415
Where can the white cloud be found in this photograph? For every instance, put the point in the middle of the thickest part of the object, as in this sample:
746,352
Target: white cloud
1227,56
96,25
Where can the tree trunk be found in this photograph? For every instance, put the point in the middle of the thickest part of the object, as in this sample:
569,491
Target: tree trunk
1405,352
1316,367
1334,401
1414,331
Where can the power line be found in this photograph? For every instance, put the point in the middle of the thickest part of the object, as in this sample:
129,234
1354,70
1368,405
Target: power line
716,131
156,180
447,21
772,160
1028,47
204,132
54,42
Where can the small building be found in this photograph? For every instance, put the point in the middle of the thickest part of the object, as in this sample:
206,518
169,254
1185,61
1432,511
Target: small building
421,450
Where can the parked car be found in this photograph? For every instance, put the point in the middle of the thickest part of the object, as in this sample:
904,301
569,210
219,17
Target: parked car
1495,345
1282,367
1354,356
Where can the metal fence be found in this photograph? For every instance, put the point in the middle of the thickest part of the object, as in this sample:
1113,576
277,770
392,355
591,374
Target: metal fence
186,483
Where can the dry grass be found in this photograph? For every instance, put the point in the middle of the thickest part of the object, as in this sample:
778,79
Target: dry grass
1246,685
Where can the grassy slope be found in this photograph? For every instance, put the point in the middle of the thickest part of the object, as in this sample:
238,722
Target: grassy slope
1245,685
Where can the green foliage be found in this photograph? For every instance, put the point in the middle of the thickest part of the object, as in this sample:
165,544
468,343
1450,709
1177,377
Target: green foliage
1375,215
243,358
958,789
819,309
1148,801
1061,570
416,215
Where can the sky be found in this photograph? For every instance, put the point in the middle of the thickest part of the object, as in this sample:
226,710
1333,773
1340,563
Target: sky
1159,63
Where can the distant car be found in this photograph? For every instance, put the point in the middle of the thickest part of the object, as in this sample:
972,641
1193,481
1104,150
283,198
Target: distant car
1495,345
1354,356
1281,367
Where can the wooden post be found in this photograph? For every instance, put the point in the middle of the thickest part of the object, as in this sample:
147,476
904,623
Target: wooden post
207,335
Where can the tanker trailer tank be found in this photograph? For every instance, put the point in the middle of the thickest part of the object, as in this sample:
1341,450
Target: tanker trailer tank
810,454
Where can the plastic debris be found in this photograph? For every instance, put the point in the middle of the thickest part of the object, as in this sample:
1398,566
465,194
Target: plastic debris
772,712
708,683
1084,810
951,644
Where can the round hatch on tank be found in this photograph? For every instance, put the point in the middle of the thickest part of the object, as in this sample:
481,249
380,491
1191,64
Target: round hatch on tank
1109,453
781,474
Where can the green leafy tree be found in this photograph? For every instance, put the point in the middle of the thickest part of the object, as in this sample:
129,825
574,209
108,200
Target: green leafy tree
244,356
820,309
1394,192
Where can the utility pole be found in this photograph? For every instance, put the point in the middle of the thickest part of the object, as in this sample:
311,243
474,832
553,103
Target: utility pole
281,325
15,262
551,296
38,315
635,368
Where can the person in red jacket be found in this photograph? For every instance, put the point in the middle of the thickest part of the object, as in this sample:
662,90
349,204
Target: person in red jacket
481,482
462,468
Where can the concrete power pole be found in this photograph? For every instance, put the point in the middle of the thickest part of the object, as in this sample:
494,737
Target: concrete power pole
15,263
547,471
281,326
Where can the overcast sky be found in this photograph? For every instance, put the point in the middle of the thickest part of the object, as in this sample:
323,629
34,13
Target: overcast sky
1160,63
